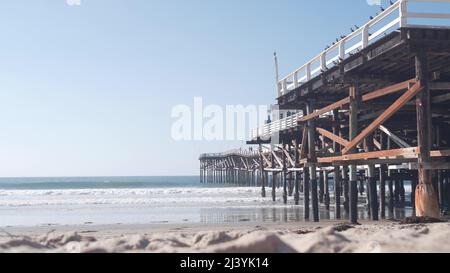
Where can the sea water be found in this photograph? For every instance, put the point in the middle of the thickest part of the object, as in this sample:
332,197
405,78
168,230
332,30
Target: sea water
137,200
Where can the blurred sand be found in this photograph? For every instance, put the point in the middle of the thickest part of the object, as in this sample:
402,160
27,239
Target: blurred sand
327,237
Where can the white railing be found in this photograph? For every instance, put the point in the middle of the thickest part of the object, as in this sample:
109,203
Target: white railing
276,126
235,152
392,18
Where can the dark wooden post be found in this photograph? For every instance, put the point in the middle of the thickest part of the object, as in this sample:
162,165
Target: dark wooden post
327,190
361,188
391,193
201,171
372,182
313,161
382,173
290,174
426,198
346,189
337,175
321,187
414,180
440,174
402,190
297,173
447,192
306,190
261,165
397,188
285,193
353,132
274,182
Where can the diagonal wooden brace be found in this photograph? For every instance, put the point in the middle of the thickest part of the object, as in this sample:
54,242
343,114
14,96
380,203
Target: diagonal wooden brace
406,97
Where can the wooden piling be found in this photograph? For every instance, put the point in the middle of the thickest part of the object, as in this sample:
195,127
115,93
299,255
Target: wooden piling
346,189
306,191
321,187
285,179
382,173
447,193
337,175
312,162
261,166
297,174
326,197
353,132
371,181
426,199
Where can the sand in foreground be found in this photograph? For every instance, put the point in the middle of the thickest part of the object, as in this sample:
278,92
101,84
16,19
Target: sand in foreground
275,238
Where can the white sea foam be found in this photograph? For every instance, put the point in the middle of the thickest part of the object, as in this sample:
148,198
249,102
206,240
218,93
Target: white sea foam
138,197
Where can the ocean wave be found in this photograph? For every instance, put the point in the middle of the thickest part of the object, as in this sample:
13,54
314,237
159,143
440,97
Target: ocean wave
137,191
136,197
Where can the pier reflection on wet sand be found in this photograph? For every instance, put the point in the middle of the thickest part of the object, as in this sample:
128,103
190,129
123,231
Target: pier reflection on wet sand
288,214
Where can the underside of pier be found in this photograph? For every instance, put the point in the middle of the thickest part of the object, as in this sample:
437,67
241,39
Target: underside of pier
377,119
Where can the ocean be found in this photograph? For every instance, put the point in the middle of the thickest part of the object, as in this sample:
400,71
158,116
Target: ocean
137,200
125,200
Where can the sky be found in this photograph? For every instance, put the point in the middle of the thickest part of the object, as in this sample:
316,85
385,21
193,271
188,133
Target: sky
88,90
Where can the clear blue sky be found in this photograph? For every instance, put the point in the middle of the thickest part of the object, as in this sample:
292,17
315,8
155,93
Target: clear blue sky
88,90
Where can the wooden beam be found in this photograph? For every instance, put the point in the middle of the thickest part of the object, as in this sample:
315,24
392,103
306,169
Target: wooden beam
441,98
439,85
407,96
440,153
280,163
388,90
361,162
377,144
404,152
400,142
288,157
304,142
332,136
266,160
431,165
327,109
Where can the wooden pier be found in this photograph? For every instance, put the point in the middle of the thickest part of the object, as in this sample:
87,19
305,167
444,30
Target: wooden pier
372,111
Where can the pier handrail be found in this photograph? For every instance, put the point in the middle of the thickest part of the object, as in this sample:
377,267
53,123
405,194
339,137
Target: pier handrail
326,59
234,152
276,126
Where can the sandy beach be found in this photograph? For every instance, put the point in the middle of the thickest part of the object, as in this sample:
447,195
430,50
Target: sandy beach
325,237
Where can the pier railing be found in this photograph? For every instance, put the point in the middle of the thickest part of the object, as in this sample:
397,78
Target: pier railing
235,152
396,16
276,126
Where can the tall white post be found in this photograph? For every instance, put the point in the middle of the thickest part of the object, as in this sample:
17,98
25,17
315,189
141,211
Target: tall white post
403,13
277,75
